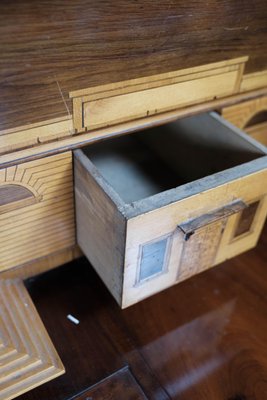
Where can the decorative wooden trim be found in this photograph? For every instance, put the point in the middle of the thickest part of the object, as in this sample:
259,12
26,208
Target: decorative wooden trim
148,82
258,132
254,81
241,114
44,226
28,357
83,139
188,228
137,98
58,135
35,134
233,245
43,264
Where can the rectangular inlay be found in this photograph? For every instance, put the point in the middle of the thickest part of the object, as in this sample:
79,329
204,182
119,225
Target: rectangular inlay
138,98
153,259
246,219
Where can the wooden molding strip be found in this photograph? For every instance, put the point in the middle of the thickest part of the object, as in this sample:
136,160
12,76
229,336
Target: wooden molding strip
110,107
27,356
254,81
125,101
151,81
35,134
42,264
84,139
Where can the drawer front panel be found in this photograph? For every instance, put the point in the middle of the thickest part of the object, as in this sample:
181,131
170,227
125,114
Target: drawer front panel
36,209
208,246
121,102
163,205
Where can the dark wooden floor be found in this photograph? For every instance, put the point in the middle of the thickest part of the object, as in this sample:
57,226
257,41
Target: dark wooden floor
205,339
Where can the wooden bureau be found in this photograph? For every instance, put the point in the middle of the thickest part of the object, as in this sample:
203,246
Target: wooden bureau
134,133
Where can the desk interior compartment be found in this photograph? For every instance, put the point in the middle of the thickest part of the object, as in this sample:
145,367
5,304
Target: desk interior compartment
137,193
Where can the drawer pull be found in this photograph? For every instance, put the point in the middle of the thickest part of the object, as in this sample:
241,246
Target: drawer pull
188,228
201,238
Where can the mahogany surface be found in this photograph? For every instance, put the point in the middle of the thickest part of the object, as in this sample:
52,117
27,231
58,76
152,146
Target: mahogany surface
202,339
49,48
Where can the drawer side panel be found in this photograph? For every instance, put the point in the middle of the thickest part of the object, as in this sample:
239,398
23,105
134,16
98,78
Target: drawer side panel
100,228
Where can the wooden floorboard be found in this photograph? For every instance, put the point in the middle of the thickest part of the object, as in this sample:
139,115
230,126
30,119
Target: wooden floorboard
204,339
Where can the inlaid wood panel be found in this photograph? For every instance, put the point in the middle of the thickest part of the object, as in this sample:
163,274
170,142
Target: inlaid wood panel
129,100
250,116
210,246
27,356
46,225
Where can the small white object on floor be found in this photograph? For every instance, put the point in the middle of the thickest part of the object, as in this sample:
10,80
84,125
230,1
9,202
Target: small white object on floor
73,319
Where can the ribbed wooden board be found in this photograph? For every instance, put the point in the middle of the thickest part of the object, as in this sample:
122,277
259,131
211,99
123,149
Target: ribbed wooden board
27,355
35,230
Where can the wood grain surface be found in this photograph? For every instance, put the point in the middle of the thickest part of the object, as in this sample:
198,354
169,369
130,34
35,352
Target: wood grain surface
119,385
49,48
28,358
250,116
203,339
31,230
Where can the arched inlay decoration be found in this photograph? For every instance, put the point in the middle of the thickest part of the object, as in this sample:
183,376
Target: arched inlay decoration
258,118
251,116
13,196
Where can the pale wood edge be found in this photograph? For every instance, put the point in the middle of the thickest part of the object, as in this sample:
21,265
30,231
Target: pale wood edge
29,140
20,312
98,177
43,264
190,226
53,121
254,81
83,139
99,219
106,90
35,134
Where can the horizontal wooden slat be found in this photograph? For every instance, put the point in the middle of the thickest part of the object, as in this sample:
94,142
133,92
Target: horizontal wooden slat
47,225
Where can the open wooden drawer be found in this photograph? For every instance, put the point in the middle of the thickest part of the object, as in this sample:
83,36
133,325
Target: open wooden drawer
156,207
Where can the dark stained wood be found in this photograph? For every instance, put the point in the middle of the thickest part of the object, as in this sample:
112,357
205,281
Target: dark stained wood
246,218
119,385
200,340
49,48
13,193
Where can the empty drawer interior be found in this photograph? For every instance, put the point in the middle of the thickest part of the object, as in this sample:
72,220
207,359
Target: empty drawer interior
145,163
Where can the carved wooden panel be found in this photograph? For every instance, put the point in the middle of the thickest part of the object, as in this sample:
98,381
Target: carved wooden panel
42,222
